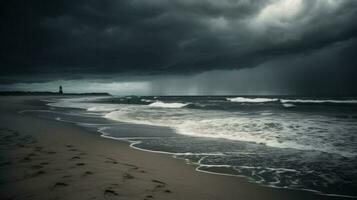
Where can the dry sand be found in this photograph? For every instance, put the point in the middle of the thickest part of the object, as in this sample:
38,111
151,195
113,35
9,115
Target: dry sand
46,159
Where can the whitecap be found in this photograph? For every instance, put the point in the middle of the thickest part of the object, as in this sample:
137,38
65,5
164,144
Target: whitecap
288,105
102,108
147,100
161,104
317,101
251,100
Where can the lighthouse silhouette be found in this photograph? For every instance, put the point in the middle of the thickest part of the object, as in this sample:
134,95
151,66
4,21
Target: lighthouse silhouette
60,91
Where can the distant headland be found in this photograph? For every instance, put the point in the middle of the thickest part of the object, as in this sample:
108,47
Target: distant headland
29,93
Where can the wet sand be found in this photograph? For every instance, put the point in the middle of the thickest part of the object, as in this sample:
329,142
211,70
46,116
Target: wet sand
46,159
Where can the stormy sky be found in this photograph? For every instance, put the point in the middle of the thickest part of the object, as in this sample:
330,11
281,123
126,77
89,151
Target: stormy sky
168,47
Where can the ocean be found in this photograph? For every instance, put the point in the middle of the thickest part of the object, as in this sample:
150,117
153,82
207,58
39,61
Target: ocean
301,143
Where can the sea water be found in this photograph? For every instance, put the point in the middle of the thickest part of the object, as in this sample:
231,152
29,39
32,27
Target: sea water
289,142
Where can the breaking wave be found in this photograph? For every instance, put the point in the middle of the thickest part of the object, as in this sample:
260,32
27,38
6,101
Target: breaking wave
317,101
288,105
251,100
270,130
167,105
290,102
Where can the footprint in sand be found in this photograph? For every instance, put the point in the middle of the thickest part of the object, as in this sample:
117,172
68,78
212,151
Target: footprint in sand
73,149
160,185
75,158
38,173
80,164
60,184
110,191
157,181
88,173
134,168
44,163
148,197
26,159
111,160
31,154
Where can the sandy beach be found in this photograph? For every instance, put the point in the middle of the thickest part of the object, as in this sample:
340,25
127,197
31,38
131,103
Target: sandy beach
47,159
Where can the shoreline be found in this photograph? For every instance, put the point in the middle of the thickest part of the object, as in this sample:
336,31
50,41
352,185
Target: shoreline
197,167
183,180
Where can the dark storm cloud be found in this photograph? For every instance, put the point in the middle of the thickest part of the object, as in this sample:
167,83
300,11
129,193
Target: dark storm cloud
156,36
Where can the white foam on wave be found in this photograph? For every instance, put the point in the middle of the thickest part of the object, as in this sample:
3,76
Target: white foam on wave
274,131
102,108
279,169
167,105
266,113
290,102
288,105
317,101
251,100
147,100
